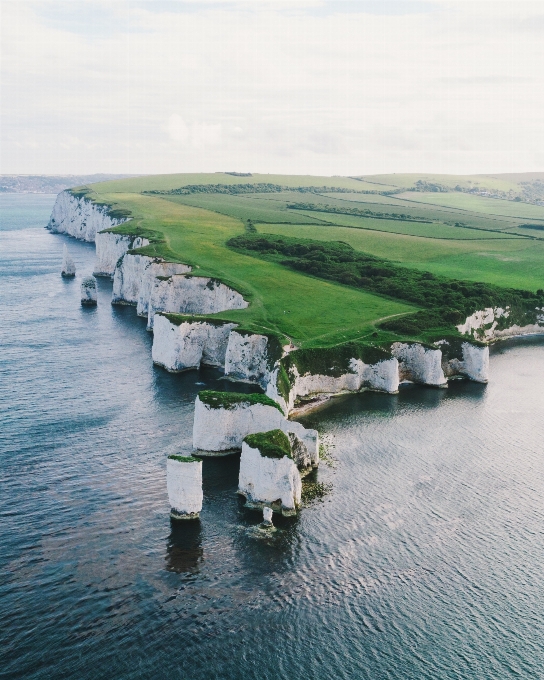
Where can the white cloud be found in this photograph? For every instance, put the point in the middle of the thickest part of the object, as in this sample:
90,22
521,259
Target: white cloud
177,129
448,86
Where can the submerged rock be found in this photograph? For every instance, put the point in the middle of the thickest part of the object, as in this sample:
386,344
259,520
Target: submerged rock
88,291
269,476
184,486
68,264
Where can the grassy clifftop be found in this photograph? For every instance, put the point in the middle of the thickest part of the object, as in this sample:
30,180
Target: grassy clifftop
421,222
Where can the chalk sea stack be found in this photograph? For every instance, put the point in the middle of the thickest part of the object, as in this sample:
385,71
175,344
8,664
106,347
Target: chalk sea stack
267,517
68,265
184,486
269,476
88,291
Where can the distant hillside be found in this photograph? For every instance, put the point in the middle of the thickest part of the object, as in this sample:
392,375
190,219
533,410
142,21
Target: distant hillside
49,184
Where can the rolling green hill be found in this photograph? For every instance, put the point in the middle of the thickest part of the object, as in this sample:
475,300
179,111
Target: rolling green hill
436,224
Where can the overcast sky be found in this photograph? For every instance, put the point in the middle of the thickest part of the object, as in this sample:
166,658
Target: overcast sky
317,87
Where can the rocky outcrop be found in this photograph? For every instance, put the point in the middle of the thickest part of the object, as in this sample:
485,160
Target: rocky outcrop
88,291
80,217
268,475
222,420
419,364
184,486
184,345
494,323
191,295
68,265
111,247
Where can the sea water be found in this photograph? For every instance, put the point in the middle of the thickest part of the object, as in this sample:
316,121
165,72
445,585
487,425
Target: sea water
424,560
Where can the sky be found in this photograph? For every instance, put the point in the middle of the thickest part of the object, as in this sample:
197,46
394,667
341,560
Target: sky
323,87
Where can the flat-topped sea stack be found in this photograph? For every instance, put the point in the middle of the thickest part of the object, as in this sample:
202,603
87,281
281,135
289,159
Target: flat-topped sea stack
184,486
223,419
269,476
88,291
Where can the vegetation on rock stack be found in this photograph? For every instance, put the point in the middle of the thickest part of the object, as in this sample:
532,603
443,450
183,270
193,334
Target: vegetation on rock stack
183,459
272,444
230,400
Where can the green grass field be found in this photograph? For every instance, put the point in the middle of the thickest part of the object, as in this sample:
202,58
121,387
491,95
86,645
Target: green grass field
487,245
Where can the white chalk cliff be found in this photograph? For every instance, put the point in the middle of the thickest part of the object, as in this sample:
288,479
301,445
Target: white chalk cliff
473,363
184,487
246,357
180,294
111,247
274,482
80,217
483,324
419,364
382,376
177,347
224,429
135,277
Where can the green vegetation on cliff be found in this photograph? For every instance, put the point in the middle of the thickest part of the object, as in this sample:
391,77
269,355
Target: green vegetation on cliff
458,233
230,400
447,301
272,444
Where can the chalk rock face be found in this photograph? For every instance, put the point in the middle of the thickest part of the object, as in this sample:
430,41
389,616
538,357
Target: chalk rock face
187,345
224,429
157,267
515,330
88,291
134,278
304,442
299,451
184,486
267,516
80,217
419,364
110,247
475,362
127,279
382,376
192,295
269,481
483,324
246,356
68,264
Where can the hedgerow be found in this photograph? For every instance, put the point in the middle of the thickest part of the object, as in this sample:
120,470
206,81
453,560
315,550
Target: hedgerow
446,301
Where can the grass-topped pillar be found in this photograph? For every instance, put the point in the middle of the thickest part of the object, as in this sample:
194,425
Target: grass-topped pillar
88,291
269,476
184,485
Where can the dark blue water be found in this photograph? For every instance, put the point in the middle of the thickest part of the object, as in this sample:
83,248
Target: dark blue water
425,561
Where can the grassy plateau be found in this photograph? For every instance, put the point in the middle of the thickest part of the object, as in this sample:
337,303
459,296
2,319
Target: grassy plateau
479,229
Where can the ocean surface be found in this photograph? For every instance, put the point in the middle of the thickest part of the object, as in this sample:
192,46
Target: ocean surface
425,560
